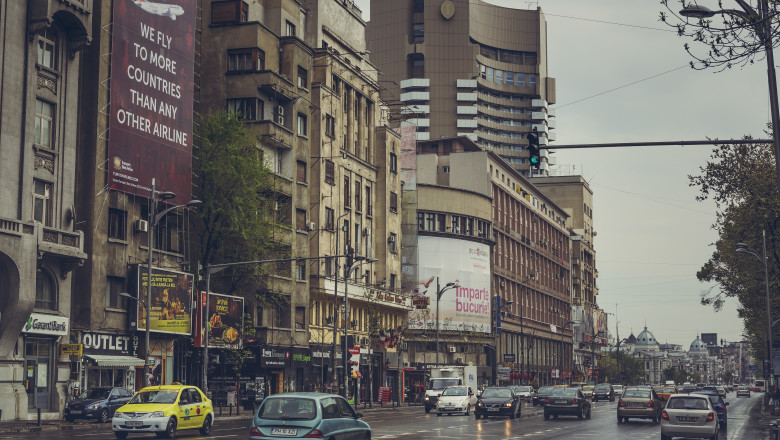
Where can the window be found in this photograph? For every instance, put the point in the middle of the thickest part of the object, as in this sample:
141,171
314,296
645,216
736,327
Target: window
300,272
430,221
330,126
418,32
303,75
358,192
300,219
393,202
289,28
330,218
300,174
420,221
441,223
499,76
392,243
248,109
245,60
336,84
329,267
45,293
531,80
490,74
347,199
369,207
42,202
510,78
282,313
46,49
300,318
44,123
330,172
345,230
232,11
117,224
392,281
115,286
302,124
393,163
418,6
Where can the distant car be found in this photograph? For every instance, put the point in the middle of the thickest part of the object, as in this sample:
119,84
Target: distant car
541,395
307,415
689,415
665,391
456,399
603,391
687,388
721,390
567,401
97,403
639,403
719,404
618,389
587,391
524,392
163,410
497,401
743,390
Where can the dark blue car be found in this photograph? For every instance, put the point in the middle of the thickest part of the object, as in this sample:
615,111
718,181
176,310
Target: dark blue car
718,404
97,403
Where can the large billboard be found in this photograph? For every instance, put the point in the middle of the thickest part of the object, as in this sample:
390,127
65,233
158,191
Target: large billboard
226,320
152,86
171,304
466,308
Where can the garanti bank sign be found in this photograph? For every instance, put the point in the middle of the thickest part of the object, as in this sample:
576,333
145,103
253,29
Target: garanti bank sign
50,325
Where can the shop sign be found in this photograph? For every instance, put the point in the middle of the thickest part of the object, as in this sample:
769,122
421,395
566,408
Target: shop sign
274,357
300,356
509,357
50,325
108,344
421,302
71,349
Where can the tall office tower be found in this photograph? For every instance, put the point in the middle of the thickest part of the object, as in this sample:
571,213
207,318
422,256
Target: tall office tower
466,68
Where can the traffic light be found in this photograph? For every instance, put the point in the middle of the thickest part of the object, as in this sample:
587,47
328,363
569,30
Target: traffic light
498,314
350,257
533,148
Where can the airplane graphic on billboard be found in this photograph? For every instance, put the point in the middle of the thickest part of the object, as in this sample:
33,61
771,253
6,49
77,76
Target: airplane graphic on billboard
163,9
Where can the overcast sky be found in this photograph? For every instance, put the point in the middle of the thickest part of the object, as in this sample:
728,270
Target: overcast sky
622,76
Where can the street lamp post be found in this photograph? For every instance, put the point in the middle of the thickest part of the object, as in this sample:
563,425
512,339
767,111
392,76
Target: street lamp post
761,22
336,297
500,310
563,330
743,248
349,268
439,292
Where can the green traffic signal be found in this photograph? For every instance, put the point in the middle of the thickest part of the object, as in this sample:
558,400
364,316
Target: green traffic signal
533,148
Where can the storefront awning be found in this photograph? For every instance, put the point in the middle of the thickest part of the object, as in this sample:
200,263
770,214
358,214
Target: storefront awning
115,361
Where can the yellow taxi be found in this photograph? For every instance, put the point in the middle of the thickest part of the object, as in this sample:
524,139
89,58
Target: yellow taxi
664,391
163,410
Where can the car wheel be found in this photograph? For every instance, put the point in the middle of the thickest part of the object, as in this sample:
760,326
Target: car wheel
427,410
546,415
104,416
513,415
367,436
581,415
170,429
655,419
620,419
625,419
206,428
121,435
476,416
587,416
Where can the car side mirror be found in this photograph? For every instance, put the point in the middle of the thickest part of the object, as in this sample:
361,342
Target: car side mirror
471,394
726,403
358,416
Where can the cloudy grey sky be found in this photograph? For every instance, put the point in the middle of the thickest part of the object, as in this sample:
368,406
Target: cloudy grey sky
622,76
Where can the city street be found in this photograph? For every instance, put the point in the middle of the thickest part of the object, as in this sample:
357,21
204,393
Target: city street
411,423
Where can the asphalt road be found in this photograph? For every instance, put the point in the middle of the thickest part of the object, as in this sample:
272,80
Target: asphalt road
411,423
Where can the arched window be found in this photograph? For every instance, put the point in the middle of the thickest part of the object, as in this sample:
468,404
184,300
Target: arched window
45,291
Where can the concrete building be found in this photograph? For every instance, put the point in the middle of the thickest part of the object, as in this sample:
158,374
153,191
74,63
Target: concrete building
41,242
467,68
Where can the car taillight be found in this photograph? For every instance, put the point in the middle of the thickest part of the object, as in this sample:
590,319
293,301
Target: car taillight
314,434
620,402
710,416
664,415
650,404
255,431
546,400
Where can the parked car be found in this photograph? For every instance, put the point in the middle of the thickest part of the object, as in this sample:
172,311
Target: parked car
524,392
719,404
567,401
603,391
456,399
689,415
665,391
542,394
307,415
97,403
498,401
639,403
743,390
163,410
618,389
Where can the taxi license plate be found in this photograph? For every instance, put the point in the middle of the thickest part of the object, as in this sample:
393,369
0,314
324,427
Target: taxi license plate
76,412
134,423
284,431
686,419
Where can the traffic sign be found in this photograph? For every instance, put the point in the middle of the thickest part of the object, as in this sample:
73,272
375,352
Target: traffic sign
753,367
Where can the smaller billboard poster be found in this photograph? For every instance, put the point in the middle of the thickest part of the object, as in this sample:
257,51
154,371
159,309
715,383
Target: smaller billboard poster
171,301
226,319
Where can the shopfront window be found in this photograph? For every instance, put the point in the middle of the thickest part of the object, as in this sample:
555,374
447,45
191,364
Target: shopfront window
37,356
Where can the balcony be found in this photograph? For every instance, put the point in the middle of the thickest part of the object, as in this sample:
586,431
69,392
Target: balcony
66,246
273,134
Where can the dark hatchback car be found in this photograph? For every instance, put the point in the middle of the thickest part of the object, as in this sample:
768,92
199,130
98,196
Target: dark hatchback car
568,402
97,403
541,394
603,391
719,404
497,401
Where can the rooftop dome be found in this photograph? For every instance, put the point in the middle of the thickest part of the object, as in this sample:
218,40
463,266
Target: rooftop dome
646,338
697,346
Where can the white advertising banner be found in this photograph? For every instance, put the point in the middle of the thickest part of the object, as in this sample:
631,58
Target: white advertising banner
466,308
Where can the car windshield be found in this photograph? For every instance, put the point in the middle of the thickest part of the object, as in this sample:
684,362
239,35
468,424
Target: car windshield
95,393
543,390
664,390
156,396
687,403
454,391
564,392
287,408
643,394
603,386
440,384
523,389
497,392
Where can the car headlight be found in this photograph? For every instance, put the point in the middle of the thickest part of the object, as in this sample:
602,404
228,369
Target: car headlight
119,415
427,397
480,404
508,404
93,405
157,414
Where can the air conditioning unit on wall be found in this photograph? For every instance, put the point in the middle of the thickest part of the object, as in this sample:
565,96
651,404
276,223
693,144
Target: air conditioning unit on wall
452,349
142,226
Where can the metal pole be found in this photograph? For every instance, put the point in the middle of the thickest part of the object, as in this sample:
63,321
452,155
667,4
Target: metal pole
763,29
152,210
768,309
438,297
205,339
336,303
345,375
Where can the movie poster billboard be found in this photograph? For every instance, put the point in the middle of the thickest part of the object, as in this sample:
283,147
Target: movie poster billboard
171,304
226,321
466,308
152,86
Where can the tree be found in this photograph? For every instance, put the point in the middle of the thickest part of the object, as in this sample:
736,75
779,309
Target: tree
740,180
